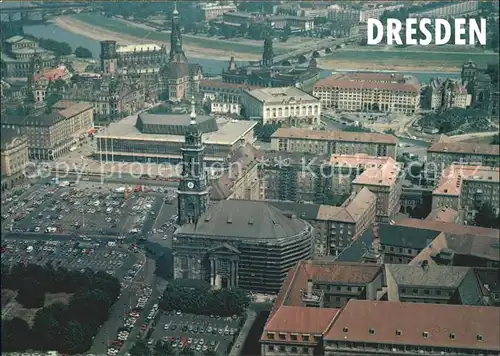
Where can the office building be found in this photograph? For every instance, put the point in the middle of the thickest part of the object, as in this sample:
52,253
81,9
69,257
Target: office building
159,138
52,135
333,142
288,105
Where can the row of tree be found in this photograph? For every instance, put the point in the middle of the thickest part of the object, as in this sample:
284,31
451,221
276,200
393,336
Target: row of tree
68,328
140,348
456,119
196,297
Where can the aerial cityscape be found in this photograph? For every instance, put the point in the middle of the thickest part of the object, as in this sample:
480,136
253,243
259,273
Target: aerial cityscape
250,178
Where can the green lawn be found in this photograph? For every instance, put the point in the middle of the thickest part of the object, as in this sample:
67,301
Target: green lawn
450,58
114,25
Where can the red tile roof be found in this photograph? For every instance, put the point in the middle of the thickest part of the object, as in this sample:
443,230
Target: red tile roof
367,81
465,147
456,326
448,227
326,272
300,320
53,74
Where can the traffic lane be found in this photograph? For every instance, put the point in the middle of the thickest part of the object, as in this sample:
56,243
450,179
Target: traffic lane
116,178
127,300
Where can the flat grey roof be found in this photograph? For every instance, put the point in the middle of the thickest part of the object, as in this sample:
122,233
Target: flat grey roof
230,131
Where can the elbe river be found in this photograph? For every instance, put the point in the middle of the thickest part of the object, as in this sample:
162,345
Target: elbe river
54,32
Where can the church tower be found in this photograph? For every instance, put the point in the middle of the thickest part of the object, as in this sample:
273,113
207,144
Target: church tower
175,37
267,56
193,191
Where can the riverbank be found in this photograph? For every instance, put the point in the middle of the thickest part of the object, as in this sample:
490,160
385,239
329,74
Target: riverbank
436,60
97,33
348,65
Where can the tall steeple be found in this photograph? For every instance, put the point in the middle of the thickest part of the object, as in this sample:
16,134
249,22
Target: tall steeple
175,35
268,54
193,191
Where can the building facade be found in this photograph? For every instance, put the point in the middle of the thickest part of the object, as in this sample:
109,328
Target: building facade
366,92
13,157
179,79
50,136
443,154
270,75
233,243
290,106
445,94
333,142
18,55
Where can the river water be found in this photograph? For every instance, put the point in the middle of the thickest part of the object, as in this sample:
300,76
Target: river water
54,32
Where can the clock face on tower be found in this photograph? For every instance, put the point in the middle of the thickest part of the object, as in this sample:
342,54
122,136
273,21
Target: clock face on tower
190,185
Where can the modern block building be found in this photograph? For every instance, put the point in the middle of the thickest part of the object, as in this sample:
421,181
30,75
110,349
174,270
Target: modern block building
333,142
159,138
466,189
443,154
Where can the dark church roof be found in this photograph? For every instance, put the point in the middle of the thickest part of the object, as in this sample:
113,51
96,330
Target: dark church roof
172,124
243,219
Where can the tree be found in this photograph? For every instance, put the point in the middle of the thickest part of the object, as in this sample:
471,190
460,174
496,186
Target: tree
31,295
140,348
82,52
210,352
16,335
163,348
287,31
496,140
212,31
486,217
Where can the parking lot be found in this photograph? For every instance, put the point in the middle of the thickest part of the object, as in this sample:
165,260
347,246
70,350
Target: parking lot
197,332
85,208
71,255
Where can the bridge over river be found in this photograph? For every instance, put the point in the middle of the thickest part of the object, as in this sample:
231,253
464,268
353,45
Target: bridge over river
322,48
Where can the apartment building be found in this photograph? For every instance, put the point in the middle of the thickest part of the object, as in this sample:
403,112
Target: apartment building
331,308
471,247
13,157
276,21
374,11
442,94
52,135
434,284
455,9
368,91
44,78
334,227
241,179
466,189
443,154
333,142
306,304
386,182
288,105
369,328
